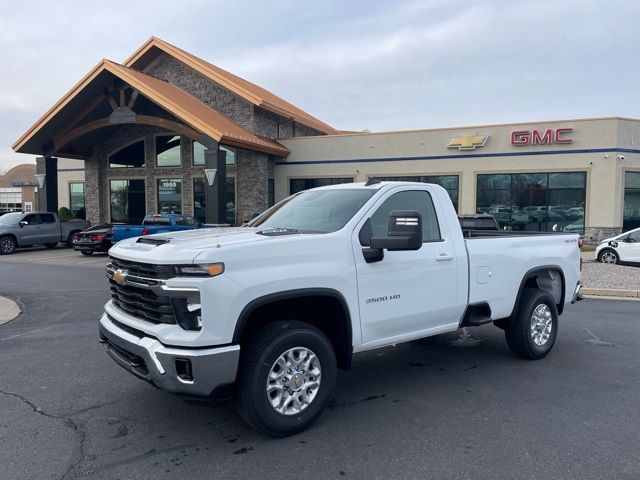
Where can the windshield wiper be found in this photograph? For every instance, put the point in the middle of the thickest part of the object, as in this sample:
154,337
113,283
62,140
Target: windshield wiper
272,232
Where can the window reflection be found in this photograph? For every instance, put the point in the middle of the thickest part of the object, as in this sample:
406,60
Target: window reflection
534,201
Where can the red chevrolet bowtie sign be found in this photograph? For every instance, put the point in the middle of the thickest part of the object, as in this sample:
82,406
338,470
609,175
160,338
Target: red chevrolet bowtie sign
549,136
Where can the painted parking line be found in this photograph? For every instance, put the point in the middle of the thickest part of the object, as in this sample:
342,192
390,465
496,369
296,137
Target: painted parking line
39,259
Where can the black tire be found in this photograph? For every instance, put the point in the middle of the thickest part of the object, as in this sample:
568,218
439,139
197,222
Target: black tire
7,245
51,245
610,253
84,252
259,355
519,334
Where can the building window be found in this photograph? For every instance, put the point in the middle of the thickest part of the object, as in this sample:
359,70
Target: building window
127,201
76,199
170,195
131,156
299,184
10,199
199,199
168,150
449,182
198,154
534,201
631,218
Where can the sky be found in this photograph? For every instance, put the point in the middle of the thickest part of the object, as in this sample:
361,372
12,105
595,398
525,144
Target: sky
355,65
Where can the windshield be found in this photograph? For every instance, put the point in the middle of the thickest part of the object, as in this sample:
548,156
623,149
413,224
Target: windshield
314,211
10,218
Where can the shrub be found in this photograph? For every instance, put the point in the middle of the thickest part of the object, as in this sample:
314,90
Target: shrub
65,214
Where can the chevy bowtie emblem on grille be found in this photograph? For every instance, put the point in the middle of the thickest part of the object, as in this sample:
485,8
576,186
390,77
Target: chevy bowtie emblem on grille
468,142
120,276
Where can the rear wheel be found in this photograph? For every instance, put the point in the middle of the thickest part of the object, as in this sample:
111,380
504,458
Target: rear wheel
69,241
609,256
287,378
7,245
533,329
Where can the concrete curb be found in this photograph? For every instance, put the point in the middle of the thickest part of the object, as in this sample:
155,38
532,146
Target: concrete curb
8,310
610,292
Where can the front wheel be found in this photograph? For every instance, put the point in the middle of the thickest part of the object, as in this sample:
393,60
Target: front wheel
7,245
609,256
287,378
532,331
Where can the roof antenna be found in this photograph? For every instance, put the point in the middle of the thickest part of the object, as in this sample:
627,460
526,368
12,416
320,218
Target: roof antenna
371,181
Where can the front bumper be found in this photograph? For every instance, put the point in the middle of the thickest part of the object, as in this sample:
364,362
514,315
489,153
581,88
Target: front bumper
166,367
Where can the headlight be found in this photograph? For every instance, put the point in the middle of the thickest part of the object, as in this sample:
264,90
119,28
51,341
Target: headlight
205,270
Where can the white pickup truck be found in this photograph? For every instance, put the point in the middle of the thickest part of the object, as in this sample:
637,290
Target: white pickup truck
273,308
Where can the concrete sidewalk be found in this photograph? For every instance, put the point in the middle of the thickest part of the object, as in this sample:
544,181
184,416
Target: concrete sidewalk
8,310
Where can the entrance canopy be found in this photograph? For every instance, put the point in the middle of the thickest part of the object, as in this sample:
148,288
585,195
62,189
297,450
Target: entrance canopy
111,95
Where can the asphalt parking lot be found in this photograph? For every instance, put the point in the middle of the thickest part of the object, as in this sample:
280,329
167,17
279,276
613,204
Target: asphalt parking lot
457,406
60,256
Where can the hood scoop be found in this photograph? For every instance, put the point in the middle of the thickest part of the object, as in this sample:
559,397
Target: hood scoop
153,241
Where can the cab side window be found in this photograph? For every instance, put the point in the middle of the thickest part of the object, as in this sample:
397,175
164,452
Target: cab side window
47,218
419,200
31,219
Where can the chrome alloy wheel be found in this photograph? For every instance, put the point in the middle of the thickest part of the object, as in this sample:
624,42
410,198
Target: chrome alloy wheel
608,257
294,380
541,324
6,245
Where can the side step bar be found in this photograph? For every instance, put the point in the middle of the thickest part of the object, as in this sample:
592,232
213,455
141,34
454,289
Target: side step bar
476,315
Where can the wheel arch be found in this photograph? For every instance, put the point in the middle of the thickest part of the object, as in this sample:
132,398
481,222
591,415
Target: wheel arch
542,278
310,305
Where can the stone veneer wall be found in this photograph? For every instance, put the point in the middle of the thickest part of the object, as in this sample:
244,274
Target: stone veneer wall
594,235
251,183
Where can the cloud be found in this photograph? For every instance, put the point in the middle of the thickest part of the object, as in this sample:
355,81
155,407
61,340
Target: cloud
377,65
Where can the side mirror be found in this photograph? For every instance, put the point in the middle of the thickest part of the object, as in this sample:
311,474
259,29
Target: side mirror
404,232
22,223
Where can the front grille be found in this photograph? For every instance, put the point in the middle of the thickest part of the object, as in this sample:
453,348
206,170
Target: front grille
147,270
142,303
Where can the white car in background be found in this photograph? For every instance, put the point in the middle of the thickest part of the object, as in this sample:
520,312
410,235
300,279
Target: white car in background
621,249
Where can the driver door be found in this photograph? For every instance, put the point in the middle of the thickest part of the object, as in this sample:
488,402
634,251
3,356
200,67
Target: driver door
31,232
408,292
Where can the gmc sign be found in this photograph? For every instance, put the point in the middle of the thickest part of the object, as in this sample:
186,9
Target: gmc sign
541,137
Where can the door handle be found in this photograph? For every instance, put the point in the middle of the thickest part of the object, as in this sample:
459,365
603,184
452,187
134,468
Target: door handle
444,256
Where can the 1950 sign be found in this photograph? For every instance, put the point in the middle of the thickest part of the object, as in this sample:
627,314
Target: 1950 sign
559,136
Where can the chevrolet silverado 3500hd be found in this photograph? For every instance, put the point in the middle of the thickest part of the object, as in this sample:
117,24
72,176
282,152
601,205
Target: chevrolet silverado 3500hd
275,307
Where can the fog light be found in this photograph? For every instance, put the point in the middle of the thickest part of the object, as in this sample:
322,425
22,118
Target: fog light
183,369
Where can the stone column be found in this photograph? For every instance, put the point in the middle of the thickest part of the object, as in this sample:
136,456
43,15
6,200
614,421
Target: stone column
252,183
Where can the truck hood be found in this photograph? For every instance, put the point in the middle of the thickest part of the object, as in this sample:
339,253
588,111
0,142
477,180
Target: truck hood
182,247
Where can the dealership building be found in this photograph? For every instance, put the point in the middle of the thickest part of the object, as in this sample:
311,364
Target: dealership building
169,132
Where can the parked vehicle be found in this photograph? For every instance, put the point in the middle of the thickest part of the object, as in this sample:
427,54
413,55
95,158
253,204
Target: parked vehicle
478,222
19,229
157,223
274,308
94,239
623,248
